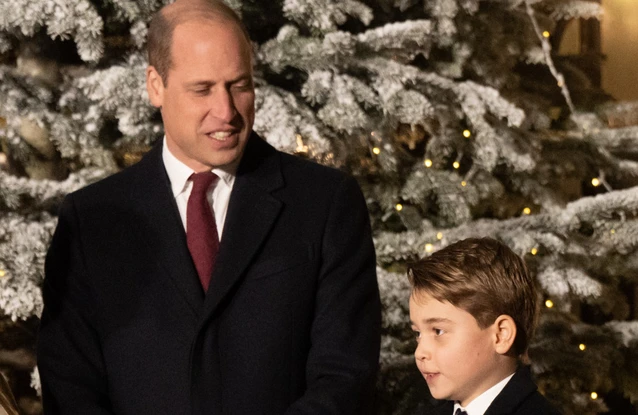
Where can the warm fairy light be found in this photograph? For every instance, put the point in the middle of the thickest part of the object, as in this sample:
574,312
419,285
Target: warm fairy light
399,207
582,346
428,163
527,211
595,182
376,150
463,183
3,273
372,133
456,164
429,247
467,133
439,236
594,395
613,231
3,158
534,251
549,304
546,34
301,147
560,83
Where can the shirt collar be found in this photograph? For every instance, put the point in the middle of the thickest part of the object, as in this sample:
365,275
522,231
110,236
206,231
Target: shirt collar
178,172
479,405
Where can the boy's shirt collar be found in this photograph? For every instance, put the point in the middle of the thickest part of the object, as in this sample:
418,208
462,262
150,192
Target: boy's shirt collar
479,405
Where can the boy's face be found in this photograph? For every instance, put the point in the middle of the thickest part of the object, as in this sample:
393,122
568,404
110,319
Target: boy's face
455,356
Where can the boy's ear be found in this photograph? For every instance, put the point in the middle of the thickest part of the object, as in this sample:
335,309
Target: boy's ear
504,333
154,87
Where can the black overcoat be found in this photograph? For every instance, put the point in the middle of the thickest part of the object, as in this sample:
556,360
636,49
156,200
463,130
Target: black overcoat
290,323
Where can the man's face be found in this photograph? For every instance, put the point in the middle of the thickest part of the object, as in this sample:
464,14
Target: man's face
455,356
208,101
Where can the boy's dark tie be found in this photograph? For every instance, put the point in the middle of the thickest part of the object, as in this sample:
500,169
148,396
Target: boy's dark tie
201,229
459,411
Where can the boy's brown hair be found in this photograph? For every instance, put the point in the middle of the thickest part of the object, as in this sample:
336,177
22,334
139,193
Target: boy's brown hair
486,279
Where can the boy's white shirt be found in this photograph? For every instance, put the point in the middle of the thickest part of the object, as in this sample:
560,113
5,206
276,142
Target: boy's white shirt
479,405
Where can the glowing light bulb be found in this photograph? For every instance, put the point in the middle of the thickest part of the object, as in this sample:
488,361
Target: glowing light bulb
428,163
429,247
456,164
527,211
534,251
376,150
399,207
546,34
582,346
549,304
463,183
594,396
467,133
3,273
372,133
613,231
439,236
595,182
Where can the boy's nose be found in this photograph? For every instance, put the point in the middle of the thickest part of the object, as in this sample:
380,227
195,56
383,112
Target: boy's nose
422,352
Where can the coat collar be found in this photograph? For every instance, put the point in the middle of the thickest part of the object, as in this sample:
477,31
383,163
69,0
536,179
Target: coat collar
516,391
252,212
162,230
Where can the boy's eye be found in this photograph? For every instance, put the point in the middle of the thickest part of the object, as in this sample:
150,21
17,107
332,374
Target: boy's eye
416,333
438,332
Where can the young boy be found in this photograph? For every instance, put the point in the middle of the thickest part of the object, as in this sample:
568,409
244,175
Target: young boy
474,307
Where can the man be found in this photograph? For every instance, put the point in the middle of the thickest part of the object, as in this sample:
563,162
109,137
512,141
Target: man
264,301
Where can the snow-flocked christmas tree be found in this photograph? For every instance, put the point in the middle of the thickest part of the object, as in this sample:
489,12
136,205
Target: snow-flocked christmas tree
454,115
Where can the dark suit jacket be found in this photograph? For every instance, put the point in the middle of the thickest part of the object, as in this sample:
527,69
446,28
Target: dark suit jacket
519,397
290,323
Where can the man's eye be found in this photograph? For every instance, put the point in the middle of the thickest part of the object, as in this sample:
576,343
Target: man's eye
242,87
438,332
201,91
417,334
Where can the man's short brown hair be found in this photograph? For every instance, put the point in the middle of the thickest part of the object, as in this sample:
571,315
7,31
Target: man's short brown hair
164,22
486,279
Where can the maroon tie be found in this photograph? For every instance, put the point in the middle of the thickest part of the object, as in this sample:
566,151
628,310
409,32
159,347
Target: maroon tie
201,230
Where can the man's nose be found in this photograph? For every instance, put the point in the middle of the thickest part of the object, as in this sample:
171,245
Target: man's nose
222,105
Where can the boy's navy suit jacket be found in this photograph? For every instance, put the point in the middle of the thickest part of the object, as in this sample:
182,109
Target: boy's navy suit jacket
519,397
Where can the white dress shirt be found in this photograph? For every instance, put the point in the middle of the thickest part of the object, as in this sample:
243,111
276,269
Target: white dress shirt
479,405
218,196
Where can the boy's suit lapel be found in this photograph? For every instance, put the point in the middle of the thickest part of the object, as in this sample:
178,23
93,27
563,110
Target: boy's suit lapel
514,392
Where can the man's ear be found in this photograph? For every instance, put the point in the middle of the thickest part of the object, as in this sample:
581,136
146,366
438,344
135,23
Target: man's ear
154,87
504,333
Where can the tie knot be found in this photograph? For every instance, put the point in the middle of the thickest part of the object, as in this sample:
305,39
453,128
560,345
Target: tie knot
202,181
459,411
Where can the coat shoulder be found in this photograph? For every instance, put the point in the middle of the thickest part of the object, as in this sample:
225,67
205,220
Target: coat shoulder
537,404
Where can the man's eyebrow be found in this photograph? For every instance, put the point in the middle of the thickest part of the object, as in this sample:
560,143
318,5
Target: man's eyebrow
203,82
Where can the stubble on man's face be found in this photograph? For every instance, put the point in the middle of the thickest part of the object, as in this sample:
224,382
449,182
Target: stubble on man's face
208,104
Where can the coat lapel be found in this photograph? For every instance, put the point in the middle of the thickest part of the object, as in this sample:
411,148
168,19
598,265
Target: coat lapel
252,212
163,231
515,391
